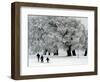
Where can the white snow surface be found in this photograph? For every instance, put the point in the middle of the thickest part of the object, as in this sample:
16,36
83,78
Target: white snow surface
58,61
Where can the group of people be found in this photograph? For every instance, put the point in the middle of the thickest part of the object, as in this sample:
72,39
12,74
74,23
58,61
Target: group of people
41,58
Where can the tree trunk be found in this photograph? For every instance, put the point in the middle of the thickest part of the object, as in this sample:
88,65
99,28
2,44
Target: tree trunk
56,53
74,53
85,53
69,51
45,51
48,53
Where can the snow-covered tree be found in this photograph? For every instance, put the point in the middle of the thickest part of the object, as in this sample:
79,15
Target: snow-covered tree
51,33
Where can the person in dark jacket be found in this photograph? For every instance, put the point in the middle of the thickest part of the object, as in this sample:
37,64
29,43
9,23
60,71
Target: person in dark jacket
38,56
47,59
42,59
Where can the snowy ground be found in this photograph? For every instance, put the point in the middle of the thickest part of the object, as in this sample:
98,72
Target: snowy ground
58,61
